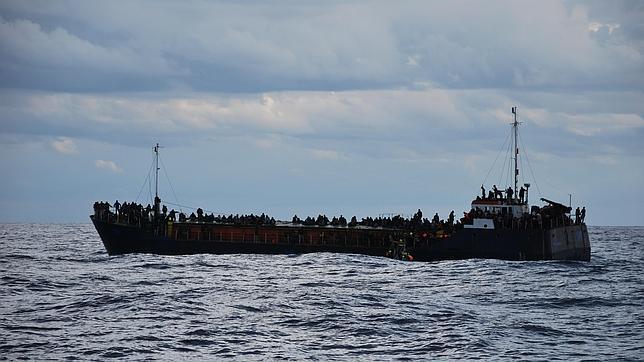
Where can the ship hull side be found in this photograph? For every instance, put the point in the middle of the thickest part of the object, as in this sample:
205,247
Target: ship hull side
121,239
564,243
569,243
485,244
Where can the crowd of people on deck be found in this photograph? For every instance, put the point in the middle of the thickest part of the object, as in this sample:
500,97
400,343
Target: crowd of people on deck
580,215
394,222
131,213
137,214
134,213
237,219
496,194
539,218
546,216
101,210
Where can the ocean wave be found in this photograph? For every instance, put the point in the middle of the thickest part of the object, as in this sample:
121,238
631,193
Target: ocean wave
62,297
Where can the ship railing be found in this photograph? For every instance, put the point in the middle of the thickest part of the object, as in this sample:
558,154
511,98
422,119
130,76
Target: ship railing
124,218
528,222
283,238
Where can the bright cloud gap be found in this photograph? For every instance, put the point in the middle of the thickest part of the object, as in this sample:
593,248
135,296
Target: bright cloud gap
64,145
108,165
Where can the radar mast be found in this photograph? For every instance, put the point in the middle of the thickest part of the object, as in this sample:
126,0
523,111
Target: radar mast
156,179
515,127
157,201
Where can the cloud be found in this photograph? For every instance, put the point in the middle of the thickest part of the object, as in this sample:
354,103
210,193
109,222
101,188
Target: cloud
408,123
587,124
255,47
595,27
57,59
326,154
108,165
64,145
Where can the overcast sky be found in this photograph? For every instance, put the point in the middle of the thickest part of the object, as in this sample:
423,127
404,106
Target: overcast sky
335,107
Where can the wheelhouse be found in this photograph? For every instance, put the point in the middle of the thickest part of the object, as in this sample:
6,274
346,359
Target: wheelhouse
500,207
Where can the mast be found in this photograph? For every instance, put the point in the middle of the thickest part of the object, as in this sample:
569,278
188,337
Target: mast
156,179
157,200
515,126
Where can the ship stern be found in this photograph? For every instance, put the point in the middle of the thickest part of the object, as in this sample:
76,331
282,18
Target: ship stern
569,243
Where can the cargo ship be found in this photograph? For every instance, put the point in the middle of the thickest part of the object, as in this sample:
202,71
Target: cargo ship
499,225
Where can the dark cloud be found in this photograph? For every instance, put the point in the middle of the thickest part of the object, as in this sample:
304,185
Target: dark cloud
255,47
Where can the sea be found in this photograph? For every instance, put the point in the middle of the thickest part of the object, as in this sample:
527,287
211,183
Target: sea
63,297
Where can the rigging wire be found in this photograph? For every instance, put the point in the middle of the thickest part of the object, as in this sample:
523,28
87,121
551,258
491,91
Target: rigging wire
506,160
502,173
148,180
165,172
144,181
520,155
534,179
150,190
497,157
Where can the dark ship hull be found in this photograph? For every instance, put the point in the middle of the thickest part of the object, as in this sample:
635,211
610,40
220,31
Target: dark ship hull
565,242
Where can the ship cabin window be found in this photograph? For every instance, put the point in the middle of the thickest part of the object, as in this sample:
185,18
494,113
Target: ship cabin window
499,210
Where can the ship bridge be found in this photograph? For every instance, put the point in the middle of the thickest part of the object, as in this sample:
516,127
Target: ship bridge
486,210
501,206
